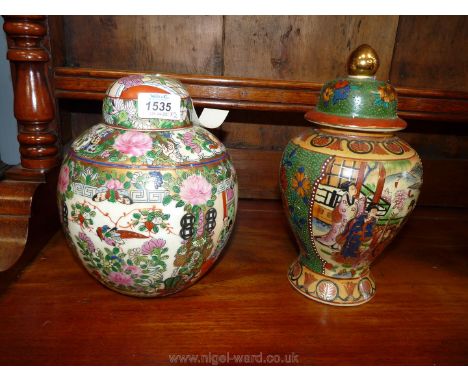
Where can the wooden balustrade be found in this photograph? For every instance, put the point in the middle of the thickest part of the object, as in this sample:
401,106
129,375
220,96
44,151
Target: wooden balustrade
33,105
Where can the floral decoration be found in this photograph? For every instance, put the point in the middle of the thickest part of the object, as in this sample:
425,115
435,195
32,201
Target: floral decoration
327,95
133,143
387,93
195,190
301,183
147,211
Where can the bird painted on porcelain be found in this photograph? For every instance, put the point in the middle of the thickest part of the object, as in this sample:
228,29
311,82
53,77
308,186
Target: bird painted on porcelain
114,236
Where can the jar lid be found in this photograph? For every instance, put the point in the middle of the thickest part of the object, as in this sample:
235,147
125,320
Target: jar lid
147,102
358,101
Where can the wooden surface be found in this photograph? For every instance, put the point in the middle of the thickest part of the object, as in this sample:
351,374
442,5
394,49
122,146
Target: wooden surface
57,314
28,219
305,48
185,44
416,51
430,51
28,212
15,212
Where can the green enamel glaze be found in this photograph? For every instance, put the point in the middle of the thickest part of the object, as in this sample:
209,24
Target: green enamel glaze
358,98
298,164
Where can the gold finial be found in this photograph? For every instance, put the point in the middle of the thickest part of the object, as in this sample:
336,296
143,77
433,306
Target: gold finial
363,61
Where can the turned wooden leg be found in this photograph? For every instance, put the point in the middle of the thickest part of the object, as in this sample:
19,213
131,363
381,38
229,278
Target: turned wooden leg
28,213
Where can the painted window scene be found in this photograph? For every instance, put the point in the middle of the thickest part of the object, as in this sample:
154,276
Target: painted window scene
359,206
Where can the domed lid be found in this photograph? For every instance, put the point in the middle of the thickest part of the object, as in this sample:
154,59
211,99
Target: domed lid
147,102
358,101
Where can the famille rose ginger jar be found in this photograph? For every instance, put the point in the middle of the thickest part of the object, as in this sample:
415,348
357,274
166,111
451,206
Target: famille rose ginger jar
148,198
349,185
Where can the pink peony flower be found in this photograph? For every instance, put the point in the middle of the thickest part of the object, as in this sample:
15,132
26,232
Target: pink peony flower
63,179
148,247
195,190
120,278
134,270
188,140
114,184
133,143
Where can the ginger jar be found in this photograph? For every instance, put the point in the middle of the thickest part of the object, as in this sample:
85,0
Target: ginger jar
348,185
148,198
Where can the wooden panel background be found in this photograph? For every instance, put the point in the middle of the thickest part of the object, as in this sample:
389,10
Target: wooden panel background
303,48
426,52
181,44
430,51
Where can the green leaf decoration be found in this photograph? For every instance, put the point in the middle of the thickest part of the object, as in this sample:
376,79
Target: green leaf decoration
166,200
167,124
122,116
167,176
133,159
126,123
210,203
115,251
112,196
114,157
136,216
176,189
127,185
180,203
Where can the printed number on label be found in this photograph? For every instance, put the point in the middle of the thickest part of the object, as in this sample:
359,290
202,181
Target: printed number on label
156,105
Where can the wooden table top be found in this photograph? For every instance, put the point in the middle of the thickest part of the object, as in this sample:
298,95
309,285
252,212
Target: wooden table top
56,314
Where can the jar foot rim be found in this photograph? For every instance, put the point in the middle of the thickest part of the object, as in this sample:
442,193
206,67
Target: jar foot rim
331,290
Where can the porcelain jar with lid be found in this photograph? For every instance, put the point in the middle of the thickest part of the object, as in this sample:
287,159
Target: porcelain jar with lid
348,185
148,198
